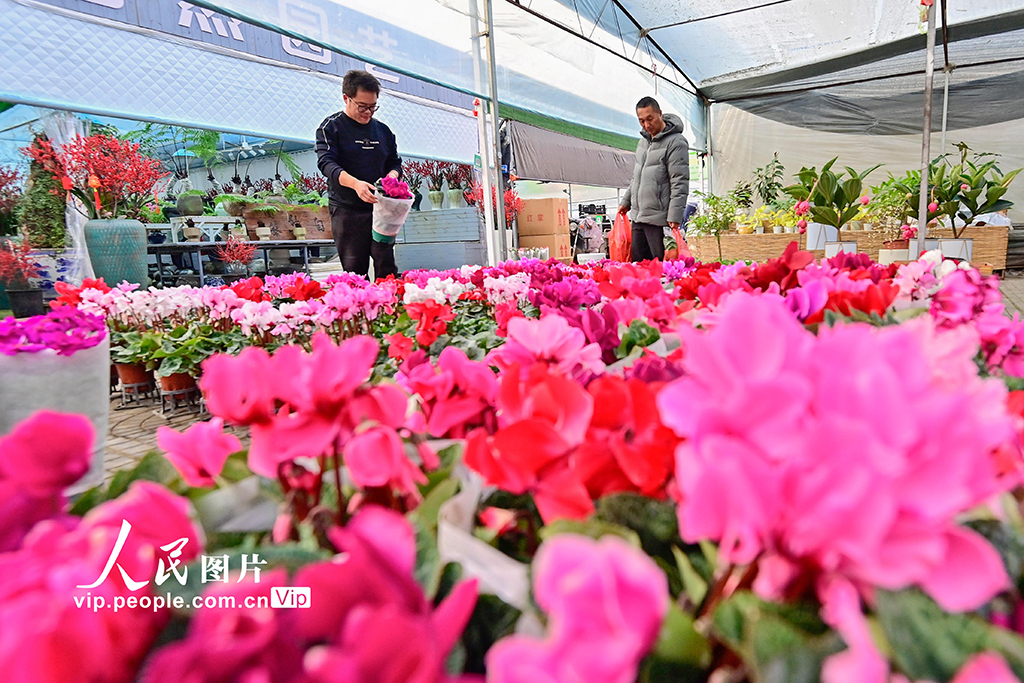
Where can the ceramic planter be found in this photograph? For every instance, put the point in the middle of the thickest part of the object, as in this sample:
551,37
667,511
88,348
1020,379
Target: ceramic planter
834,248
190,205
26,303
887,256
192,234
962,249
263,234
300,233
778,229
818,235
118,251
436,199
454,199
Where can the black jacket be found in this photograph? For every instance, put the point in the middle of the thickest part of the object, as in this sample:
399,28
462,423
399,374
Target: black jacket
368,152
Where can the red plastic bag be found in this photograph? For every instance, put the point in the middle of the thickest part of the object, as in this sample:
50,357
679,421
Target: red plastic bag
682,249
620,241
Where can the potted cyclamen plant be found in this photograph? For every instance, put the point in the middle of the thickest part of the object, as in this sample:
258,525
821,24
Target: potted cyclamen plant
16,267
114,181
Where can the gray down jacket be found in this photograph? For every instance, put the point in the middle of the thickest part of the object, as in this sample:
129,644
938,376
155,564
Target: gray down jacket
661,176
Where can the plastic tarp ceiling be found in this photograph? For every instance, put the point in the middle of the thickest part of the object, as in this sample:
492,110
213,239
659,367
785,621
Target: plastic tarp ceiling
540,67
546,155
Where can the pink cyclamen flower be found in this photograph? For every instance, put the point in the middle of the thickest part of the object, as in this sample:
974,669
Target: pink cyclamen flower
39,458
550,340
605,602
200,452
986,667
848,455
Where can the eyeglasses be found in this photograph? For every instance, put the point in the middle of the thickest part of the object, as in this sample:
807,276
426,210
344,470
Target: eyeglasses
366,108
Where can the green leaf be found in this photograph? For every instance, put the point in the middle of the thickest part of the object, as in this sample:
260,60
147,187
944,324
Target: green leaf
591,528
778,643
152,467
1008,540
87,500
693,583
930,644
428,510
428,559
678,640
852,190
492,619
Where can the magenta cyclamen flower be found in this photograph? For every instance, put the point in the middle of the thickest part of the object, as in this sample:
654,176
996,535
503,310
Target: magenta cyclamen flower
64,330
605,602
396,189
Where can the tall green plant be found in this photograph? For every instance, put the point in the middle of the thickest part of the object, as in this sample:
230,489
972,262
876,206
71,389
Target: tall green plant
714,217
768,180
40,211
834,201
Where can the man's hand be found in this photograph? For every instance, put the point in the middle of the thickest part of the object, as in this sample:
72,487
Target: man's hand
674,226
393,174
365,192
623,210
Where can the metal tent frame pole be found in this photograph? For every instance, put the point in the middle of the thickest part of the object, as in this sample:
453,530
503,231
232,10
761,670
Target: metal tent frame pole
926,136
499,188
480,111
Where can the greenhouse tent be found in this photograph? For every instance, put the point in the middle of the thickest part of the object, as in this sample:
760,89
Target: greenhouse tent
807,78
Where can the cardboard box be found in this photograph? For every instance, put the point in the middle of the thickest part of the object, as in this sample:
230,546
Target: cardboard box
558,245
544,217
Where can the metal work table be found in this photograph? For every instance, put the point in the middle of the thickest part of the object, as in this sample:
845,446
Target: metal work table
199,248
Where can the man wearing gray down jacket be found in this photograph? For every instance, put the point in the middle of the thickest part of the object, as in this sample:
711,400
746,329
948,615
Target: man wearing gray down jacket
661,180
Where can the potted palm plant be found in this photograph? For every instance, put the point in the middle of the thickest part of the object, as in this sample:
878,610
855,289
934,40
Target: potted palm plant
16,269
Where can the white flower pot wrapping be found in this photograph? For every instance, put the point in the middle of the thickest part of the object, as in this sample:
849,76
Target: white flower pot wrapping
80,383
498,573
388,217
818,234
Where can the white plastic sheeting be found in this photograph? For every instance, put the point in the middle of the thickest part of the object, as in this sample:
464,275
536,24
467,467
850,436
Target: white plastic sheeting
540,66
66,60
744,141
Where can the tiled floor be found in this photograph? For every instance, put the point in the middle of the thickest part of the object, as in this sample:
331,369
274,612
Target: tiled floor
1013,294
133,432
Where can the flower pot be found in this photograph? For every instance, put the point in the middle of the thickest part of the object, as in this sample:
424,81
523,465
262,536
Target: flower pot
300,233
887,256
759,229
834,248
239,232
856,226
986,269
133,374
26,302
417,199
179,381
454,199
745,229
436,199
896,244
818,235
118,250
263,234
192,234
790,229
960,249
778,229
190,205
79,383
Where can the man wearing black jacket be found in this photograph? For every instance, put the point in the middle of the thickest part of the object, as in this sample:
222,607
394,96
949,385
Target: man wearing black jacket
355,150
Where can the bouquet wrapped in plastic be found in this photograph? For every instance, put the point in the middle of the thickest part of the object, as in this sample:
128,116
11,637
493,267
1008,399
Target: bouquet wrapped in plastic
394,201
